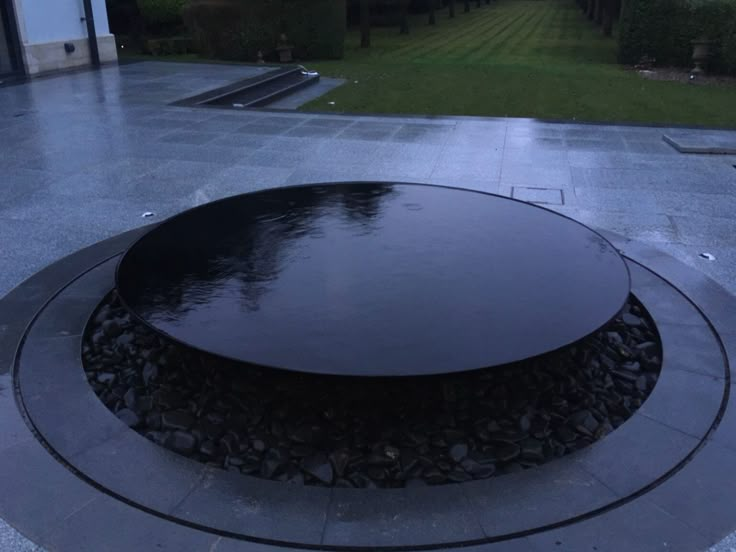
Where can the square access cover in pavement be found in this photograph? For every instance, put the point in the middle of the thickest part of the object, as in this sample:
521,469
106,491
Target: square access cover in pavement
544,196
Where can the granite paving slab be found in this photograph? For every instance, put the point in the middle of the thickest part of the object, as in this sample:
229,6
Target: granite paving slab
702,142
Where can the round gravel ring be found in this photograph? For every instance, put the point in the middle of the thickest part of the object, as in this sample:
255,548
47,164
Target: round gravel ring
377,432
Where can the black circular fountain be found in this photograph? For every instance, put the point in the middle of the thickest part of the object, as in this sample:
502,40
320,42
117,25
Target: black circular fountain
373,279
490,335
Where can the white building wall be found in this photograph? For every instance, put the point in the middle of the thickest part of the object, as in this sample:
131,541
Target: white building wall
54,20
45,26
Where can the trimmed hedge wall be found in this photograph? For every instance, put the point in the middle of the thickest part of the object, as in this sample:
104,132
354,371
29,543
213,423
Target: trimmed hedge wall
161,12
728,52
315,27
238,29
664,29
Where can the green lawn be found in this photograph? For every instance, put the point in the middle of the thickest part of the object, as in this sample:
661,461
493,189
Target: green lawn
516,58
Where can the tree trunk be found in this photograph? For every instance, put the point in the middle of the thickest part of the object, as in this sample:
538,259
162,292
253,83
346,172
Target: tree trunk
432,15
365,24
478,4
608,17
467,6
451,7
591,9
404,17
598,12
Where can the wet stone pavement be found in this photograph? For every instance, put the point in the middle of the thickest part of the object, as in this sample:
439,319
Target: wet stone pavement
84,155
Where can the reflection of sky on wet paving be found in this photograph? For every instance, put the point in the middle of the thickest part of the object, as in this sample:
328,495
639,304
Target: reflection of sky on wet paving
84,155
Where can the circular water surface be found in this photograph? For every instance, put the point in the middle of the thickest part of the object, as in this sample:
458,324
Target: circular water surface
373,279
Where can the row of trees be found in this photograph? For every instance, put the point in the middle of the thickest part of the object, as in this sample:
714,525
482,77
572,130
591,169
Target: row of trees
402,8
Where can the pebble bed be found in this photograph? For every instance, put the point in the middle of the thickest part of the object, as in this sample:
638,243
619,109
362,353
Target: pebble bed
371,433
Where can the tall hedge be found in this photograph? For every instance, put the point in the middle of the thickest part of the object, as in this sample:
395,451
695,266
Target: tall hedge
239,29
664,30
157,12
315,27
728,52
716,20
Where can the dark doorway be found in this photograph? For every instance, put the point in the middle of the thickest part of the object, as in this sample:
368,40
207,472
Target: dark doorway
9,45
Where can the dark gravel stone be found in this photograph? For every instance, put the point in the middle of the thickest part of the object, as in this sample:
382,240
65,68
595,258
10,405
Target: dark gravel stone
273,463
478,471
144,404
131,399
301,451
459,451
565,435
457,476
434,476
584,422
380,459
169,400
106,378
124,340
128,417
318,467
111,328
150,373
181,442
376,473
177,420
392,452
525,423
235,462
339,460
208,448
648,347
506,452
153,420
631,320
532,449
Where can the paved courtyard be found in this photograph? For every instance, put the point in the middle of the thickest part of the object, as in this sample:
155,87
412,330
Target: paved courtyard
85,155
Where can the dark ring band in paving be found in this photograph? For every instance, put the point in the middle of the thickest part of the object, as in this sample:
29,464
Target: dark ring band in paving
650,447
373,279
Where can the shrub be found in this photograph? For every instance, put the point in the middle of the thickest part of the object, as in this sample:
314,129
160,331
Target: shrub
315,27
655,28
664,30
238,29
215,27
715,20
124,17
161,12
728,51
